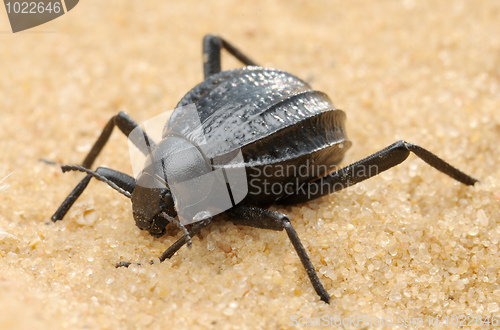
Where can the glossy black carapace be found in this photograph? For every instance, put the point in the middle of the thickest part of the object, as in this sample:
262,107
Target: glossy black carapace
291,138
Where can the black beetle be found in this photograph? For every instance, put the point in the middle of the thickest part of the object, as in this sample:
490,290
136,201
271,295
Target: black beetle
277,121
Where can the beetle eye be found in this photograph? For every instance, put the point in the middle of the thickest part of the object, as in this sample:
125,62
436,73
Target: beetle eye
168,203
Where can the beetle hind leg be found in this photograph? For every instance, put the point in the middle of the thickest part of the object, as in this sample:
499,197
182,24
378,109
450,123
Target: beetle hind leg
371,166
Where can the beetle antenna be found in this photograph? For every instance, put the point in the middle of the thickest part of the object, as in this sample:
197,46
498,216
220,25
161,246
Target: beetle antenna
180,226
67,168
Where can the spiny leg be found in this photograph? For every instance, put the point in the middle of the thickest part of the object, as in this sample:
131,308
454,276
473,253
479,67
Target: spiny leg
371,166
212,46
267,219
119,181
126,125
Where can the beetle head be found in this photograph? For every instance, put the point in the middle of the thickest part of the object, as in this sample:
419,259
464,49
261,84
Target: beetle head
174,160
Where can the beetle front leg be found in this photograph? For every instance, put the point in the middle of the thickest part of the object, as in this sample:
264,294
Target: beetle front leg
371,166
267,219
212,46
126,125
111,177
195,229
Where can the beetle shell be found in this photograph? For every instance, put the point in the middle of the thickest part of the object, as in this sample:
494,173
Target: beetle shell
280,124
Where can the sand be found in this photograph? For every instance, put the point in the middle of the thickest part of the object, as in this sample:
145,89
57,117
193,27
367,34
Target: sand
410,245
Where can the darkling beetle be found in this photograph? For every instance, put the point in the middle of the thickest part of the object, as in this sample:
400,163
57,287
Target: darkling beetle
278,121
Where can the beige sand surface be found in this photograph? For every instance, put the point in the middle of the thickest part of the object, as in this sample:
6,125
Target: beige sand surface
411,243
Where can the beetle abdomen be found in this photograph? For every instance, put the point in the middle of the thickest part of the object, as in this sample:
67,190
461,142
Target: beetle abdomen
273,117
230,87
302,124
242,106
280,163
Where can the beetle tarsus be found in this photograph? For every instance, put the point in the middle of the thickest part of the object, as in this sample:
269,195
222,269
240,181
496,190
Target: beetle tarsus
124,264
49,162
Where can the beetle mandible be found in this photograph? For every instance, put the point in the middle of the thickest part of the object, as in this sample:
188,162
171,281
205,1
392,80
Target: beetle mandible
278,121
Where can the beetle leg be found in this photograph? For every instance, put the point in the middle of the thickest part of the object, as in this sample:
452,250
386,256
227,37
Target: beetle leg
195,229
267,219
212,46
126,125
180,226
371,166
119,179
